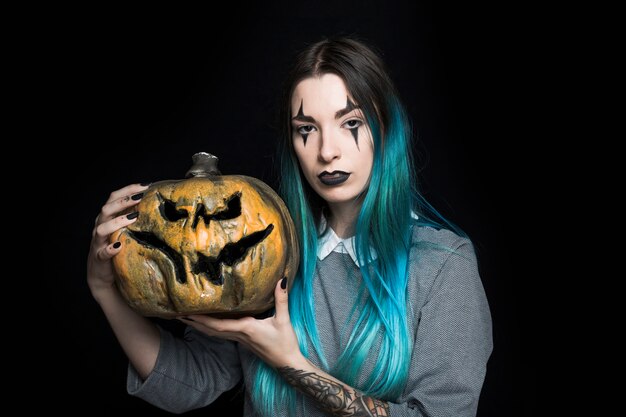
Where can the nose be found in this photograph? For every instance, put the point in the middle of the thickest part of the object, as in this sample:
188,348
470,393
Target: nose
329,148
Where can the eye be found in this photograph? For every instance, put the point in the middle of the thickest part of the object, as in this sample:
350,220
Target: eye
233,208
353,124
305,129
232,211
169,211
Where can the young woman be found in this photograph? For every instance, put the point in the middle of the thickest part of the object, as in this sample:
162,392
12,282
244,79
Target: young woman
387,315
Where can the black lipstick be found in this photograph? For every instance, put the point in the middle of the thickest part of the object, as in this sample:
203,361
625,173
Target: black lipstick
333,178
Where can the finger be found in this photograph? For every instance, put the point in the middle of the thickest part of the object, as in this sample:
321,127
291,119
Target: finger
281,300
218,325
212,328
109,251
114,207
128,190
104,230
199,327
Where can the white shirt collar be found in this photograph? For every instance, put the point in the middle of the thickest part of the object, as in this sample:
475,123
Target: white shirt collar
328,242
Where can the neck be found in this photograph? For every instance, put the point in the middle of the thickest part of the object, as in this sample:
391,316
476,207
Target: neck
342,218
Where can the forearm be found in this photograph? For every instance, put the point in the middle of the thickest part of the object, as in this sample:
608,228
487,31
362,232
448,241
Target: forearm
332,395
138,336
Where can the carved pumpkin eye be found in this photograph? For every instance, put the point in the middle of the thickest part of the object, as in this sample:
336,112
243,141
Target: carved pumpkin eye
233,210
169,211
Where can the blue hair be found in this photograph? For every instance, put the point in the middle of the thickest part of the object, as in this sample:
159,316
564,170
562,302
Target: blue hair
384,223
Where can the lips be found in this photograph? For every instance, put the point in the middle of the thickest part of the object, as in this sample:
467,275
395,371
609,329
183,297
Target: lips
333,178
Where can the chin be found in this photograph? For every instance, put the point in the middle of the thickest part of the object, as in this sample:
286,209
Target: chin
338,197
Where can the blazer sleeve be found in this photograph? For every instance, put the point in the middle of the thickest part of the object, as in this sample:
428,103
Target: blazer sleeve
453,342
189,373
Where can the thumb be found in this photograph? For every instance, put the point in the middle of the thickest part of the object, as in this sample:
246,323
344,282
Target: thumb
107,252
281,303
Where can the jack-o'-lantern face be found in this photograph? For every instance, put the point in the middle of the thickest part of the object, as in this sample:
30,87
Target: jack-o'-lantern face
214,244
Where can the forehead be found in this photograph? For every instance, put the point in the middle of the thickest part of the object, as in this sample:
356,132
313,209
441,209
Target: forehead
318,94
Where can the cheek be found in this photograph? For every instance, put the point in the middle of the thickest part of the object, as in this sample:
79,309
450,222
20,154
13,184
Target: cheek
366,158
368,138
367,148
302,153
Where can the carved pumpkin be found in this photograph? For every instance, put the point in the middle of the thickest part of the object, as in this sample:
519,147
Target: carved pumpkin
212,243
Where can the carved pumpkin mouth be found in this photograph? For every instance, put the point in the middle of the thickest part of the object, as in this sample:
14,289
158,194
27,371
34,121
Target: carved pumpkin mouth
209,267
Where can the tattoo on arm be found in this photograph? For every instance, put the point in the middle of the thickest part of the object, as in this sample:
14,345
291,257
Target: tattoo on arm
333,397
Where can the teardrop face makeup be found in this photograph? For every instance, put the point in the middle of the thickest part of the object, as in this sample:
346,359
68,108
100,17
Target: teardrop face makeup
331,139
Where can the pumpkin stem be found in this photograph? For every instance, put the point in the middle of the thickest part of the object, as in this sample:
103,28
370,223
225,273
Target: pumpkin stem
204,165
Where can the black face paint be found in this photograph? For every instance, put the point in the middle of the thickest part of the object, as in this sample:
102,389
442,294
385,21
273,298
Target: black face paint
355,131
301,115
349,105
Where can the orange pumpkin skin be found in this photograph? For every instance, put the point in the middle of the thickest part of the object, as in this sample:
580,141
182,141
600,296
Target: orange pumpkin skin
206,245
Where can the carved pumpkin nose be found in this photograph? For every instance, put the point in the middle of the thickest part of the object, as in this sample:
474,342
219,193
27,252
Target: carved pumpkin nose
207,244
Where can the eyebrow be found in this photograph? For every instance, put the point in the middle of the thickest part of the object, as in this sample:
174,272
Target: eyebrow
309,119
301,117
349,107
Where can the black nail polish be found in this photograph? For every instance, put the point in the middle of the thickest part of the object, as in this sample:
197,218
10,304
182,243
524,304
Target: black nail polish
145,184
117,244
132,215
283,283
136,196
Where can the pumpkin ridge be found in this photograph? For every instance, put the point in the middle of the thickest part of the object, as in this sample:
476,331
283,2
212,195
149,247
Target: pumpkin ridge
152,241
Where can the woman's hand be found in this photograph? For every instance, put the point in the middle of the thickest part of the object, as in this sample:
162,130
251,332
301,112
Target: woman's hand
100,273
272,339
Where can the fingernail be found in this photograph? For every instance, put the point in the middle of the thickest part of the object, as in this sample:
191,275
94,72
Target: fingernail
132,215
283,283
136,196
188,318
117,244
145,184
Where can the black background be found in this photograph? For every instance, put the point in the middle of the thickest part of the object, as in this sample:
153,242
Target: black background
141,94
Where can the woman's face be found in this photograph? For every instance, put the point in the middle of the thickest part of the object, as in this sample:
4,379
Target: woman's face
331,138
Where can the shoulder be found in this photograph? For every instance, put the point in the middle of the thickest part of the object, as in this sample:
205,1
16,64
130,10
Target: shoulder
437,256
438,244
